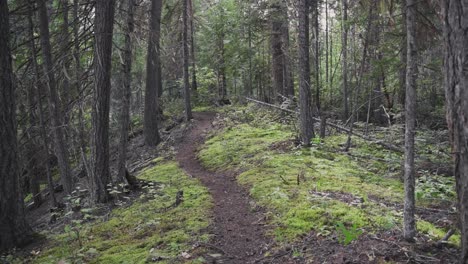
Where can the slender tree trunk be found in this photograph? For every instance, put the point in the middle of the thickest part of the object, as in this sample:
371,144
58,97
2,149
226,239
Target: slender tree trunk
32,99
192,47
305,104
78,71
317,55
456,90
61,149
153,77
344,45
42,124
409,225
287,71
326,47
103,31
126,93
65,66
13,227
276,51
186,55
403,56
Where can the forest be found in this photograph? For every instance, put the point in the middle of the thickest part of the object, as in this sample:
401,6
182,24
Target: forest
234,131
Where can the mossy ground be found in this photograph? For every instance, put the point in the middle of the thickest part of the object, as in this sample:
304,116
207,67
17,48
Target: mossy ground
311,189
145,229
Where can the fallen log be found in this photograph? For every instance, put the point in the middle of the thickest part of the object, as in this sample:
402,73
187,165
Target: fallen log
338,127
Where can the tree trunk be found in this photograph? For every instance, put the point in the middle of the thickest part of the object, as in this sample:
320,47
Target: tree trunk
126,93
403,56
192,47
188,107
305,104
32,99
276,51
409,223
103,29
13,227
153,77
287,69
456,91
344,44
317,55
65,66
61,148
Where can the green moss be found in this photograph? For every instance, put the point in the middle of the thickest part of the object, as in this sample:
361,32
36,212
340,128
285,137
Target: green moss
322,170
436,233
142,230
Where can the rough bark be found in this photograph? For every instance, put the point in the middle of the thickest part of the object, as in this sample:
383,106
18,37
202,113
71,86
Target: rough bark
153,77
65,65
61,148
287,69
188,107
344,44
455,13
305,104
13,227
192,48
403,57
103,29
126,93
409,223
277,56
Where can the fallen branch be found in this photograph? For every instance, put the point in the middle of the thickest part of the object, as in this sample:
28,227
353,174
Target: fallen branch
338,127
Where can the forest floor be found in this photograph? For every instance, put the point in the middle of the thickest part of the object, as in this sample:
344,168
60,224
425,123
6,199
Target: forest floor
251,194
238,229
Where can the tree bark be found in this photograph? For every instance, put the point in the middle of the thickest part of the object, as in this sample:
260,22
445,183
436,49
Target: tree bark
287,69
188,107
277,56
344,44
13,227
126,93
192,47
305,104
403,56
153,77
61,148
103,31
409,222
454,14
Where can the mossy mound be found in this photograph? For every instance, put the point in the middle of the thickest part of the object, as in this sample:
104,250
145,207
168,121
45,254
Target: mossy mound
316,188
147,230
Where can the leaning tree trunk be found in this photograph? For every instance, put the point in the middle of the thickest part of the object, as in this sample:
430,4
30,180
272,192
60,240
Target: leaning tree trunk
103,29
153,77
13,227
305,104
188,107
61,149
409,223
456,93
126,93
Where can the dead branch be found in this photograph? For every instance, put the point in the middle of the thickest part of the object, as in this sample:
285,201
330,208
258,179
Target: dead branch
338,127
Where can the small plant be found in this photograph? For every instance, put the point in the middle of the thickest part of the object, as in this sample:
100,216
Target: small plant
346,236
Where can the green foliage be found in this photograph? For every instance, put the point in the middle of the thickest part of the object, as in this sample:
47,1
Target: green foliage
143,230
308,189
348,235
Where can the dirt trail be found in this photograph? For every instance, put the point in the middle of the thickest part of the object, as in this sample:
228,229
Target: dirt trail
239,236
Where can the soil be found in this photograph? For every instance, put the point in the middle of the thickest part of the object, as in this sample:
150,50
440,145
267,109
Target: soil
239,235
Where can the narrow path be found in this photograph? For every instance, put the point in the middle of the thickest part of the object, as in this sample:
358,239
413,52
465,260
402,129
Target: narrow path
239,236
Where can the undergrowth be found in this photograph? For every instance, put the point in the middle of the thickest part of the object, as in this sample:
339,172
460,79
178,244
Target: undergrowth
311,189
148,230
